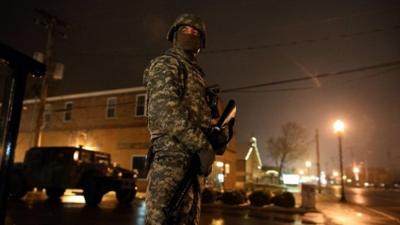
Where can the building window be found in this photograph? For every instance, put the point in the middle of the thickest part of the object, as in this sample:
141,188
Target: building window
138,163
47,116
68,111
140,109
111,109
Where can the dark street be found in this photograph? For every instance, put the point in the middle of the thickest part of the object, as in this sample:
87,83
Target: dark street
385,202
286,112
35,209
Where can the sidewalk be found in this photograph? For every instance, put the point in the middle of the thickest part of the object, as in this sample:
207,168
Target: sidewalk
350,214
272,214
329,211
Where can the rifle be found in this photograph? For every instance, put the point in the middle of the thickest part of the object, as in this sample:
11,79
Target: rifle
227,118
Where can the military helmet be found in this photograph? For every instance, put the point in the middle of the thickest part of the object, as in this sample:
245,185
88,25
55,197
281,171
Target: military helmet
189,20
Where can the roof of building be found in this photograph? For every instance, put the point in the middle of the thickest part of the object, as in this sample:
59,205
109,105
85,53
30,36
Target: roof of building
88,94
254,150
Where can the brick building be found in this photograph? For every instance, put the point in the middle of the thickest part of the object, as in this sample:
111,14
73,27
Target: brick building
113,121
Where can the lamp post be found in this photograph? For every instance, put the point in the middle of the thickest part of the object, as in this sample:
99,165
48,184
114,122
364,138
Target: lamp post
356,171
339,129
308,166
221,174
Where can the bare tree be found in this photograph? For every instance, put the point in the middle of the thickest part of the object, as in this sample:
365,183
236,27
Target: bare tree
291,145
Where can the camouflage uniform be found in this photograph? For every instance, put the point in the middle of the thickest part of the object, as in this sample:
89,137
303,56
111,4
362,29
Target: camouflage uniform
177,109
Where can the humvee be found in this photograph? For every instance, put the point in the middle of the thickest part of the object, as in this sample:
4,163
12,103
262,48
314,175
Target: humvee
58,168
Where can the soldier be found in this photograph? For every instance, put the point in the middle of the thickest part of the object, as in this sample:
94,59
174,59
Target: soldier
177,112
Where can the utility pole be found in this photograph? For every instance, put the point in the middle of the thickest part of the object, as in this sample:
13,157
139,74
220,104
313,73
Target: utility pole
53,25
318,160
366,166
342,195
390,167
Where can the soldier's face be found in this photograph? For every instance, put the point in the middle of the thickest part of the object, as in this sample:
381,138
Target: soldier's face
190,30
189,39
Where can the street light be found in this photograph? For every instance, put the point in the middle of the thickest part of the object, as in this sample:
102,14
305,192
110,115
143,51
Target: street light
339,127
356,171
221,173
308,166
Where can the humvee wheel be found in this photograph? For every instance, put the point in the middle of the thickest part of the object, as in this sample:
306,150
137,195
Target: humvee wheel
55,193
125,196
93,192
18,187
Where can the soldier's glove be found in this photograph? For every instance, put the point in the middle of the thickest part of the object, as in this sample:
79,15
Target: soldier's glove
206,158
217,138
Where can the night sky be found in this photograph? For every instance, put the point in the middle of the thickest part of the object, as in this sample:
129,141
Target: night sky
249,42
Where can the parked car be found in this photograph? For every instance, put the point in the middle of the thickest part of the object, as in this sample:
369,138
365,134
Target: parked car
58,168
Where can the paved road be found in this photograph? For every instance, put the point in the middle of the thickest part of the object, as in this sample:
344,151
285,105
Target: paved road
35,209
382,201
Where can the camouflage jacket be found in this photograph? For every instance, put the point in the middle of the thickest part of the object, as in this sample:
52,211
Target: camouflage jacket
177,106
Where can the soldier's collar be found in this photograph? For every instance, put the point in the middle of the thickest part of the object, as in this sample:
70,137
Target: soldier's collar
183,54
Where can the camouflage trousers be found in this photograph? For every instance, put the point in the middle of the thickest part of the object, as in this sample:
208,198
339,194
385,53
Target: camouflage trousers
167,170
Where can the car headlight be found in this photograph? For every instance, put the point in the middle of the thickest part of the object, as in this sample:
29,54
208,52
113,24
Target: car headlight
76,155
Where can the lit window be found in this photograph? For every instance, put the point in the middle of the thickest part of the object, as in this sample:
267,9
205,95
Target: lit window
68,111
140,109
47,116
111,109
227,168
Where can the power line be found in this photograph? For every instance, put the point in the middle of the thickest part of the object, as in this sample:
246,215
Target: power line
304,41
247,89
353,15
368,76
259,47
322,75
278,90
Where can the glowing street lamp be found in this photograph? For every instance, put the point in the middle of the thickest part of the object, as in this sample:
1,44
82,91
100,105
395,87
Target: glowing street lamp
219,164
221,173
308,166
356,171
339,128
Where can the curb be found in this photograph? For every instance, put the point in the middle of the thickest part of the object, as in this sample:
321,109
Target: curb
270,213
266,209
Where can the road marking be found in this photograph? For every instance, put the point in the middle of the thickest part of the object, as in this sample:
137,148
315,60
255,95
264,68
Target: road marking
384,214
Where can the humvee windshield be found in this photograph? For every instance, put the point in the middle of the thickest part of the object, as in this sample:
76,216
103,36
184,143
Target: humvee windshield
102,158
66,154
50,154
